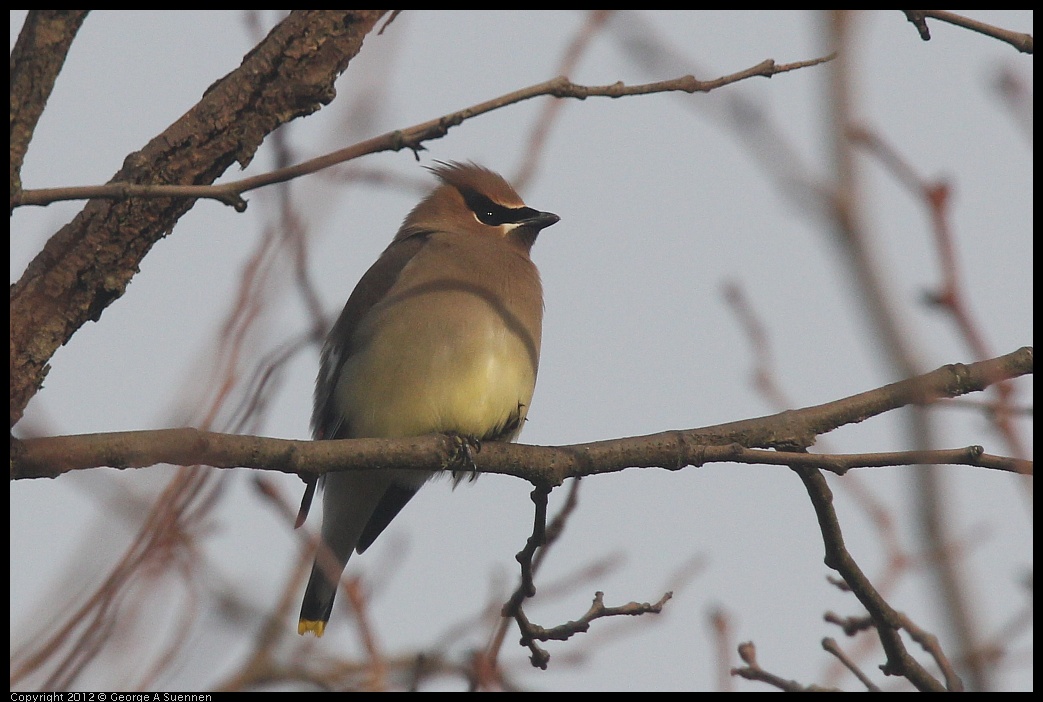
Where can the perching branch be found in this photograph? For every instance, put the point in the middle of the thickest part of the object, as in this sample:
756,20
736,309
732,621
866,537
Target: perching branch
787,433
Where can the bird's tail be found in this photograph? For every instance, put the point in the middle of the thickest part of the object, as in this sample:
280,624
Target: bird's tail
356,506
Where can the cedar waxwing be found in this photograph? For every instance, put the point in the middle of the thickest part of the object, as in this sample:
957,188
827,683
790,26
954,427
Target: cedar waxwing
441,335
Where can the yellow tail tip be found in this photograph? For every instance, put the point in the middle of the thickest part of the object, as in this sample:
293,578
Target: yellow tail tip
306,625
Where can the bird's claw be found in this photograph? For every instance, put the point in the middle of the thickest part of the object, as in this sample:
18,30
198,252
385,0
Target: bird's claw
461,455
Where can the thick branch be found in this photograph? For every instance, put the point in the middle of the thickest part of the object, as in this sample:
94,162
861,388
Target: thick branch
90,261
36,60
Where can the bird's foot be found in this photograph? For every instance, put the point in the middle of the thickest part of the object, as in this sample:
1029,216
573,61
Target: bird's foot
461,456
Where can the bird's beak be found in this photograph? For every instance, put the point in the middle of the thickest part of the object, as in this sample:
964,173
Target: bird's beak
540,220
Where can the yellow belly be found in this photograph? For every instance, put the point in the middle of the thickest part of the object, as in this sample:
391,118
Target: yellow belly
464,371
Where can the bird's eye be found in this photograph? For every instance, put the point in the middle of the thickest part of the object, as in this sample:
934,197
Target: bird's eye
488,212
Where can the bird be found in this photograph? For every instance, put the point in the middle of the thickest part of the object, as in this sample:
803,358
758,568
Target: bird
441,335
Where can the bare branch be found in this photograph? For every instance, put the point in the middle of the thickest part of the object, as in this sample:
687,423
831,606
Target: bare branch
832,647
887,620
753,671
91,260
412,138
36,59
1020,41
788,433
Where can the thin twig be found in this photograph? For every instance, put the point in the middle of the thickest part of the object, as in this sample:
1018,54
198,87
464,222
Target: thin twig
412,138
